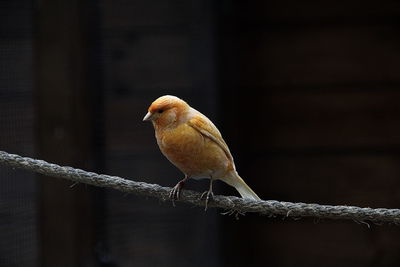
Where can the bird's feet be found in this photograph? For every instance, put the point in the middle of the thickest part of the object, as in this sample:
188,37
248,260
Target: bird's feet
176,191
209,195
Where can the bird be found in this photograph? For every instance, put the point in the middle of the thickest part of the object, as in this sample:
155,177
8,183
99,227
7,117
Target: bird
191,142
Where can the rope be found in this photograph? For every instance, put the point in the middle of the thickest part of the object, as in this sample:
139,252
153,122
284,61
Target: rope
234,205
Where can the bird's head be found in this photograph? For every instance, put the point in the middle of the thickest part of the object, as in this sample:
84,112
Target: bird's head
166,110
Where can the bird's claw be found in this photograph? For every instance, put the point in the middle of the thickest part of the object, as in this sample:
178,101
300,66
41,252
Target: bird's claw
176,192
209,195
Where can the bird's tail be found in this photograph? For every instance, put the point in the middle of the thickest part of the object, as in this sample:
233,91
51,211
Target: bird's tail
244,190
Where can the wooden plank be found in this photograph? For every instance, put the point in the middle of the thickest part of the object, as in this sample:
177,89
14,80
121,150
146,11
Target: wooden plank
321,120
157,13
147,62
310,110
315,12
152,49
314,57
63,132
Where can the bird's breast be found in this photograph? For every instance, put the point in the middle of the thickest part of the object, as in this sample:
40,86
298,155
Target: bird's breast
181,142
191,152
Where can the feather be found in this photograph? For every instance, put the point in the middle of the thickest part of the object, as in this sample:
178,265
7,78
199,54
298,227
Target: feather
208,129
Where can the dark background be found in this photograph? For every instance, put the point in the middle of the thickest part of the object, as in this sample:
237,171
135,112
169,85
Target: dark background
305,93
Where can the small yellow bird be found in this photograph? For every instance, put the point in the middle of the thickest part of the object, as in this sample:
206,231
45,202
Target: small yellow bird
194,145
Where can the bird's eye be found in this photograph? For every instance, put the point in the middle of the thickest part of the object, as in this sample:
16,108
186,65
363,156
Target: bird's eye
160,111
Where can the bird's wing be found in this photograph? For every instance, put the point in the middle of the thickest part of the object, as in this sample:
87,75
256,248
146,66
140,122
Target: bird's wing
202,124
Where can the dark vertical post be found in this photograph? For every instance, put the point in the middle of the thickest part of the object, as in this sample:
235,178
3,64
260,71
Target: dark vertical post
63,130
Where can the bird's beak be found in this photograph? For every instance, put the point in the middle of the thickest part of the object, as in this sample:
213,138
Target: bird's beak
148,116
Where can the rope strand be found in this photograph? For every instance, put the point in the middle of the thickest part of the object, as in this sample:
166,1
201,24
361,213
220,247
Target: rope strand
230,203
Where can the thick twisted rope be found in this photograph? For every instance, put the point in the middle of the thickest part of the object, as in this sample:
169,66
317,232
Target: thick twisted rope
230,203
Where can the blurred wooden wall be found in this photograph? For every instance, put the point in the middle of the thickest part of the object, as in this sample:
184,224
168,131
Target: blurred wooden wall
305,95
311,96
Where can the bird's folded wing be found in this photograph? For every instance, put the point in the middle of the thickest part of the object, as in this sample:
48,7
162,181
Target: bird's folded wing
209,130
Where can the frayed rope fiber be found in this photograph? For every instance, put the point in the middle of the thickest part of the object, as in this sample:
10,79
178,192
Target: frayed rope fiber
230,203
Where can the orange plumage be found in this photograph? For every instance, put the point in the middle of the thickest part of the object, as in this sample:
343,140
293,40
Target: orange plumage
193,144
